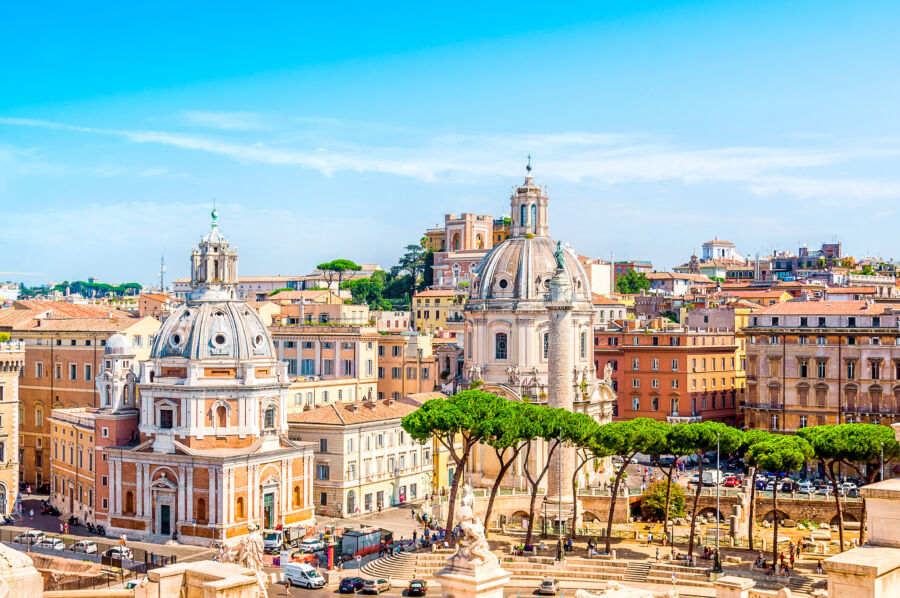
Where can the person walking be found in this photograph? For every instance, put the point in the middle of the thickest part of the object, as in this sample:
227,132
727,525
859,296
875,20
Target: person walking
66,527
31,514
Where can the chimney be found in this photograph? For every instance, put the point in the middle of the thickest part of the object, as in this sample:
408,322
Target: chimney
354,407
389,402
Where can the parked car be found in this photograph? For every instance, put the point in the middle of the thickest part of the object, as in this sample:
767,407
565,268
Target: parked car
302,575
853,493
349,585
119,552
695,479
416,587
376,586
52,543
849,486
548,587
732,482
31,536
84,546
311,545
806,487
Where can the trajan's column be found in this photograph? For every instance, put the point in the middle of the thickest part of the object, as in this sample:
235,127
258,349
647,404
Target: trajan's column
561,391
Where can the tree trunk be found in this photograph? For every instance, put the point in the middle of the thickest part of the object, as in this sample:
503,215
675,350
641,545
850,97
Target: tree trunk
829,472
668,499
504,467
612,500
575,495
535,484
457,476
775,527
752,509
696,503
862,523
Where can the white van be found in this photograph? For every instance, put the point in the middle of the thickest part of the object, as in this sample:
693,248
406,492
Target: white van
713,478
302,575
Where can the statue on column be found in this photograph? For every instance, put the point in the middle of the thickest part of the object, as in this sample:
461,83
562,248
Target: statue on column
560,256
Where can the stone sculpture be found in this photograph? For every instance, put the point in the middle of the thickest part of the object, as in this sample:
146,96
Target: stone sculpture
607,373
474,550
248,553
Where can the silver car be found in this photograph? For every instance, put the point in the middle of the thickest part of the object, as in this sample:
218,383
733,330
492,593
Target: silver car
376,586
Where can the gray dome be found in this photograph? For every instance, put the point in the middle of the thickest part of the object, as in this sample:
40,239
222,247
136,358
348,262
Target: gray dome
520,268
118,344
214,330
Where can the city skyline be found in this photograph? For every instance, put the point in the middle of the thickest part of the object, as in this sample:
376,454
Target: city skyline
660,124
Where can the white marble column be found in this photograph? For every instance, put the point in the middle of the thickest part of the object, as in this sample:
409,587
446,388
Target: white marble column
181,494
118,488
189,495
146,490
213,506
139,494
112,488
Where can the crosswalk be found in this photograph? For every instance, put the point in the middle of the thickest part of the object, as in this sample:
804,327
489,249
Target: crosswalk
276,577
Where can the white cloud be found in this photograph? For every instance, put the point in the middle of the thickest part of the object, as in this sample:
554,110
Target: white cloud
228,121
609,158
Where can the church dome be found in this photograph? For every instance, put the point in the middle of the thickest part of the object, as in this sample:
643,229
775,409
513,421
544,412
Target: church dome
213,330
520,268
118,344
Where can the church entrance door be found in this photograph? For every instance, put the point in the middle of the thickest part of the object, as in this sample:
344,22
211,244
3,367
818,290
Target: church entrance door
165,520
269,511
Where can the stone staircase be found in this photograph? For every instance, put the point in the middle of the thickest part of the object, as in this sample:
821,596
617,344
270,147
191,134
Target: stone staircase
805,585
636,572
423,565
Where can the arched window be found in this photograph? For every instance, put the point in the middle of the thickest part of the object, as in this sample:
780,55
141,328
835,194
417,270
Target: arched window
456,242
269,422
500,345
239,508
106,397
129,503
479,242
221,416
584,345
533,218
201,510
297,498
523,216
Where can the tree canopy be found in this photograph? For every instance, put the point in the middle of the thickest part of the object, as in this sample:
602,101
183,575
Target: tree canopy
632,282
338,269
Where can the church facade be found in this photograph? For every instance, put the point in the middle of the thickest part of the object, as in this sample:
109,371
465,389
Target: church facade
511,344
213,455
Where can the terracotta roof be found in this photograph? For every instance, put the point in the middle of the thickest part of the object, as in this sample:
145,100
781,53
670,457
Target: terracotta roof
825,308
851,290
436,293
718,241
420,397
762,293
341,414
679,276
83,324
160,298
604,300
69,310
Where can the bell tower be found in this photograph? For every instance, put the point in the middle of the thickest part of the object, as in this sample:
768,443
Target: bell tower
528,206
214,265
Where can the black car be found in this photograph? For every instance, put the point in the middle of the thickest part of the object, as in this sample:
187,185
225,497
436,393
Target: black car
416,587
349,585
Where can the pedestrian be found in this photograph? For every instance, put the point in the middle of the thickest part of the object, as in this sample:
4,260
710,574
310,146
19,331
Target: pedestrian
649,538
60,527
657,554
66,528
414,536
819,567
31,514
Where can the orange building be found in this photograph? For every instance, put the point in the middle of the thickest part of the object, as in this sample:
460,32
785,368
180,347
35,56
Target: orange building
406,364
670,373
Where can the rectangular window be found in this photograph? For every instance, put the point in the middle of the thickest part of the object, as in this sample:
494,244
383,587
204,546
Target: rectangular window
821,322
821,369
307,344
803,340
674,365
674,382
73,371
654,365
323,472
88,372
39,370
395,351
425,373
380,350
803,369
166,419
804,321
289,344
654,383
635,403
851,340
410,373
327,367
323,497
307,367
635,364
58,373
395,373
380,373
851,322
347,367
820,340
291,367
370,365
635,383
103,480
876,322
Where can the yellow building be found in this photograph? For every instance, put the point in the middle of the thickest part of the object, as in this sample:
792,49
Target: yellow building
12,360
444,466
437,309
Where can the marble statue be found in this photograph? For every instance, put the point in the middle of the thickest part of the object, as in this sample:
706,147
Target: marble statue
512,372
248,553
473,548
607,373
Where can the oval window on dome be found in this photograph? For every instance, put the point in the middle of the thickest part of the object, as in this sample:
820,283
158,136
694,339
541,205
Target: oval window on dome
503,283
258,340
219,339
175,339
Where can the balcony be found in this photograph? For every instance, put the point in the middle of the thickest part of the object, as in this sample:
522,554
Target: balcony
676,418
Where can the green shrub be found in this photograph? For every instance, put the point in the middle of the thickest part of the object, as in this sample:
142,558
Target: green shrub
653,505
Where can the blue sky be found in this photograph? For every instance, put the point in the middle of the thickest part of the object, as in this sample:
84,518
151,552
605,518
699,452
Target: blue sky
344,132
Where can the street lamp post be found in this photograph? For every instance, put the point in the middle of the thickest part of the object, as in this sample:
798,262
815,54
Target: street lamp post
881,465
717,568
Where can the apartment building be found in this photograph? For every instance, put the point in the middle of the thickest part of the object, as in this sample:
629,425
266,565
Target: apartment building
12,360
327,363
64,346
437,309
406,364
823,362
671,373
392,321
364,460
